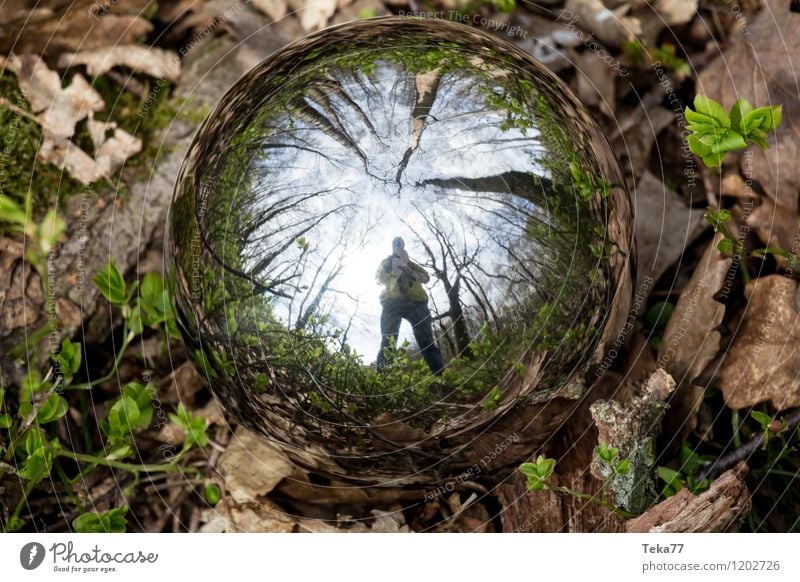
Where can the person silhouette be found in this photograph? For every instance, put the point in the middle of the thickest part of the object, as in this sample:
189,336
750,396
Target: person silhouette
403,297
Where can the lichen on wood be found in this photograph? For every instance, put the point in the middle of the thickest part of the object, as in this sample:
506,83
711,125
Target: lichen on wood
632,428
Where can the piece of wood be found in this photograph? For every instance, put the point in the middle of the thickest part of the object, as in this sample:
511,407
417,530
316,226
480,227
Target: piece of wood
572,447
720,509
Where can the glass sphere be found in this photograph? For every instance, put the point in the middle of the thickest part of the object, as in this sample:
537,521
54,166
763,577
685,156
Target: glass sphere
390,235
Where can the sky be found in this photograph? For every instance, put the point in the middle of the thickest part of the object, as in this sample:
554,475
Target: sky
357,204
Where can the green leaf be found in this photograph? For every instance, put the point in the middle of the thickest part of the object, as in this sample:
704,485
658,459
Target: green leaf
35,467
541,470
112,521
123,417
143,396
33,441
758,137
117,518
154,300
53,408
658,315
607,453
150,290
505,5
31,384
711,108
120,452
69,357
111,284
725,245
11,212
693,117
764,118
740,110
673,480
728,141
493,399
691,462
50,230
545,466
624,467
135,323
194,427
713,160
763,419
196,435
697,147
212,493
5,420
534,484
717,218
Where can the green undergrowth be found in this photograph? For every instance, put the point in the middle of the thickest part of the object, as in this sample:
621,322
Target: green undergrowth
41,448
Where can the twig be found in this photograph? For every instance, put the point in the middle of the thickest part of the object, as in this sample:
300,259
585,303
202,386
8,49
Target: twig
134,468
743,452
18,110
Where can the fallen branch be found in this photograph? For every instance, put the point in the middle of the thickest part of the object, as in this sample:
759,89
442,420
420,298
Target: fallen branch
743,453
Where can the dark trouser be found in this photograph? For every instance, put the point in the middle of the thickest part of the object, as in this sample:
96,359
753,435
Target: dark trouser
419,316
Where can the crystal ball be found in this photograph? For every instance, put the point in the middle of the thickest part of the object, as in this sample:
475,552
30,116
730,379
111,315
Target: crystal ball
392,236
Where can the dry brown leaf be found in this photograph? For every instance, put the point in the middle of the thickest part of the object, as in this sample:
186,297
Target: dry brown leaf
691,339
319,526
253,517
766,59
67,156
676,11
80,165
776,226
59,109
113,152
638,130
313,14
763,363
389,522
152,61
170,12
595,84
182,385
69,106
275,9
98,130
664,224
549,42
72,27
385,425
251,466
612,28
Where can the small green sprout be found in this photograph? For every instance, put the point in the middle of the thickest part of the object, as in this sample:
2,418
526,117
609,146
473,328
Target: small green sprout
716,132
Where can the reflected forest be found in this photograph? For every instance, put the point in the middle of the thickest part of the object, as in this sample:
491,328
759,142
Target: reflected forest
400,230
